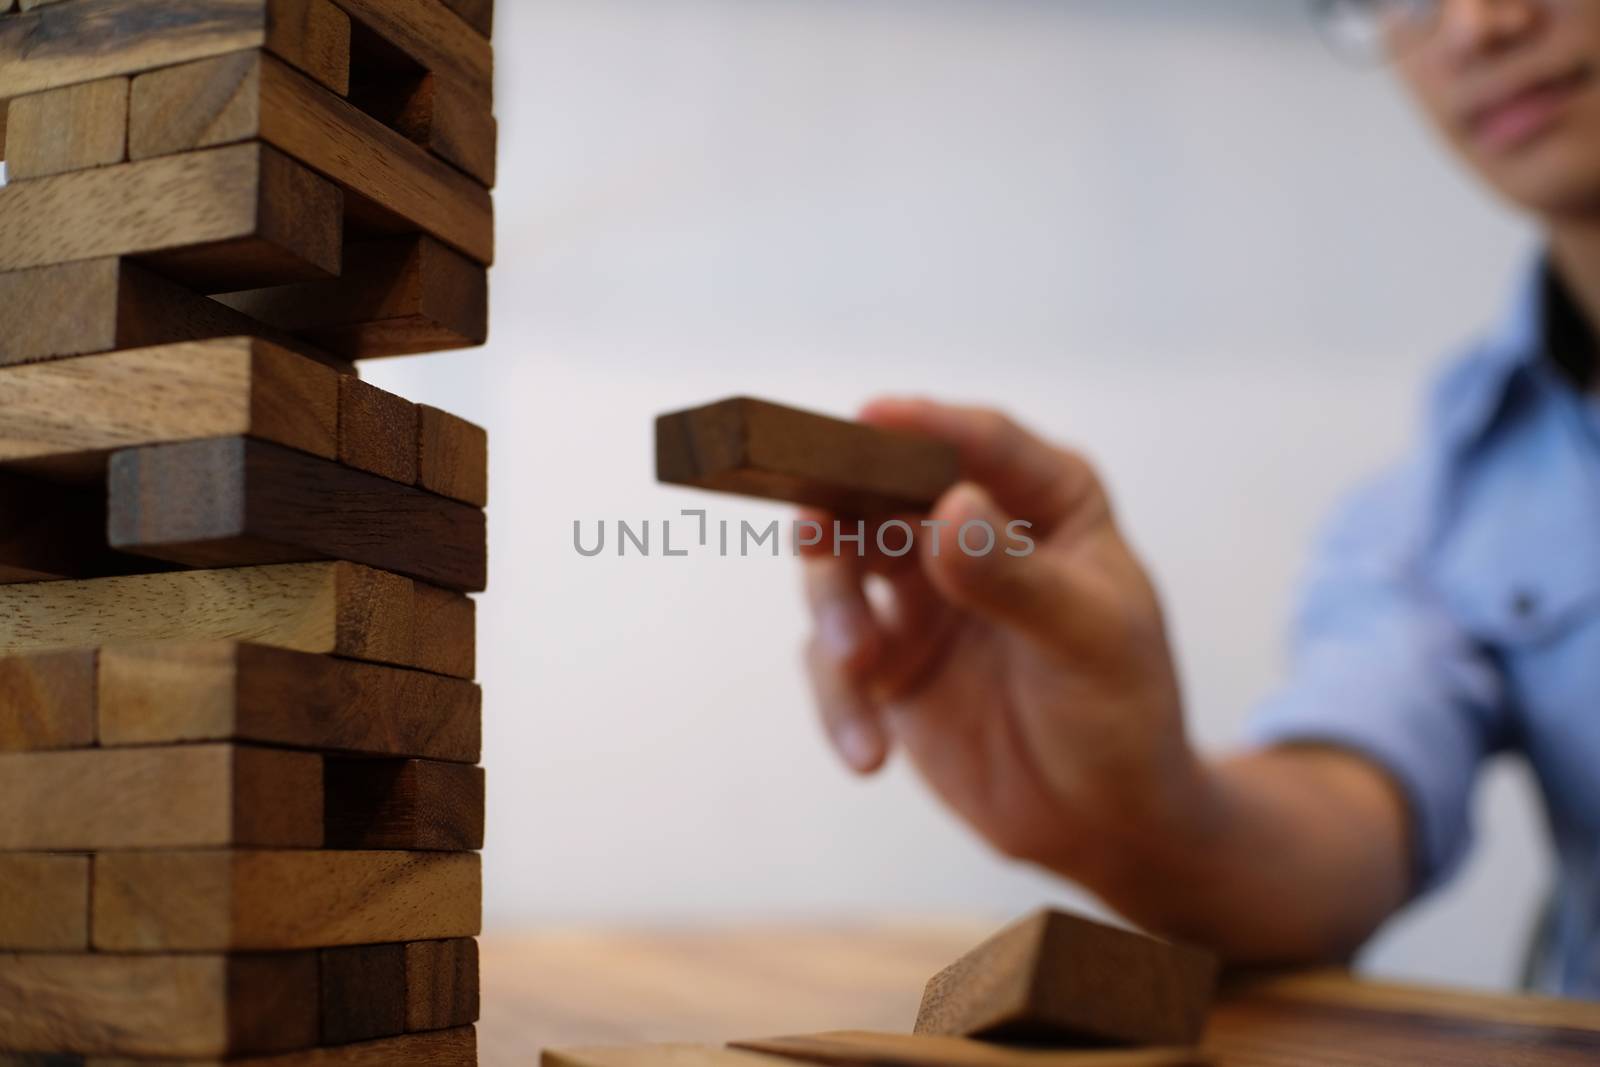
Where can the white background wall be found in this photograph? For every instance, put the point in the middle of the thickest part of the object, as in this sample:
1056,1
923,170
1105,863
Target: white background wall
1179,234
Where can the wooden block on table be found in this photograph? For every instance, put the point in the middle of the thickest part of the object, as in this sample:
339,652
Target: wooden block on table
447,1048
1057,977
395,297
400,187
50,531
421,805
441,984
363,992
75,411
177,1006
452,456
184,796
273,901
232,501
337,608
865,1049
47,701
756,448
377,431
222,691
83,40
70,128
219,220
46,903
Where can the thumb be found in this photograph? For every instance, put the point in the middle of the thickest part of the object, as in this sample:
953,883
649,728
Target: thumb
988,564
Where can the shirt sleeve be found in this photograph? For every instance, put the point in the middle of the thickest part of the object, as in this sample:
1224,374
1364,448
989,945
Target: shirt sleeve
1380,667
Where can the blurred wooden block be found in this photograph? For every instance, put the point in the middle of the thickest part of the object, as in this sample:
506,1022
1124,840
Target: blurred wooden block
665,1055
449,1048
177,1006
396,297
219,220
432,37
75,411
50,531
46,903
452,456
338,608
82,40
70,128
441,984
479,14
269,901
756,448
231,501
377,431
1056,977
47,701
400,186
222,691
861,1048
422,805
363,992
186,796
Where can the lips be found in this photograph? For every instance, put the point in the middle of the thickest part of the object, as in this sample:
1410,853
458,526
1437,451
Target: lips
1513,119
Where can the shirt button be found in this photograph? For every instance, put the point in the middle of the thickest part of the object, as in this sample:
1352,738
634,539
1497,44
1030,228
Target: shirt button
1524,604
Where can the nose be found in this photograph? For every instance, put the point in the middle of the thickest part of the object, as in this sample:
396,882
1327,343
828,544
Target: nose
1471,28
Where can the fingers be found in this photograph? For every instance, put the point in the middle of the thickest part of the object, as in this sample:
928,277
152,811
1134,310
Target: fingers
843,650
1027,476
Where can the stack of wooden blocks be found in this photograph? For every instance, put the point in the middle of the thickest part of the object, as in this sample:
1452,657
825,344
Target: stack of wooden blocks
239,800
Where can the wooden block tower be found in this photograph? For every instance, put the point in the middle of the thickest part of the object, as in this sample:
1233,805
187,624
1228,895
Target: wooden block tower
240,805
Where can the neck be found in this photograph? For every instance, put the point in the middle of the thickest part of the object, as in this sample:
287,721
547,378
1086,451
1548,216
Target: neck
1575,254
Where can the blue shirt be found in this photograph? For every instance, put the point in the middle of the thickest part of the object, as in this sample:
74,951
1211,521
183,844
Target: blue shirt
1452,613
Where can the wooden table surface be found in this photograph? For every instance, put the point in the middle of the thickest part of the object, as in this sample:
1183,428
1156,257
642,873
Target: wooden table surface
588,987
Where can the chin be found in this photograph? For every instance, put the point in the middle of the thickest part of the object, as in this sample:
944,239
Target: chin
1560,176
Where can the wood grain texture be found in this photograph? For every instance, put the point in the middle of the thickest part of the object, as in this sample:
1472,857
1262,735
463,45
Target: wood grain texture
432,37
363,992
47,701
452,456
377,431
756,448
441,984
187,796
223,219
70,128
433,111
82,40
479,14
50,531
857,1048
398,185
84,408
222,691
232,901
450,1048
426,805
1054,976
46,903
232,501
396,297
337,608
179,1006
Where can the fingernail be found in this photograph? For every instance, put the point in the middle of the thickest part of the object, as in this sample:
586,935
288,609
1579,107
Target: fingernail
841,632
857,743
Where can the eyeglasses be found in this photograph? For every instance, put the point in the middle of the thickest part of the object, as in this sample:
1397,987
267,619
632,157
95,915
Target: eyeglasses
1363,30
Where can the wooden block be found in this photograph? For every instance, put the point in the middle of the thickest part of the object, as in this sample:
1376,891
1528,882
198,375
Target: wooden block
447,1048
221,691
47,701
187,796
226,901
363,992
50,531
377,431
231,501
756,448
673,1055
479,14
864,1049
337,608
432,37
46,903
441,984
396,297
219,220
76,411
70,128
83,40
158,1005
1053,976
436,113
400,187
421,805
452,456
